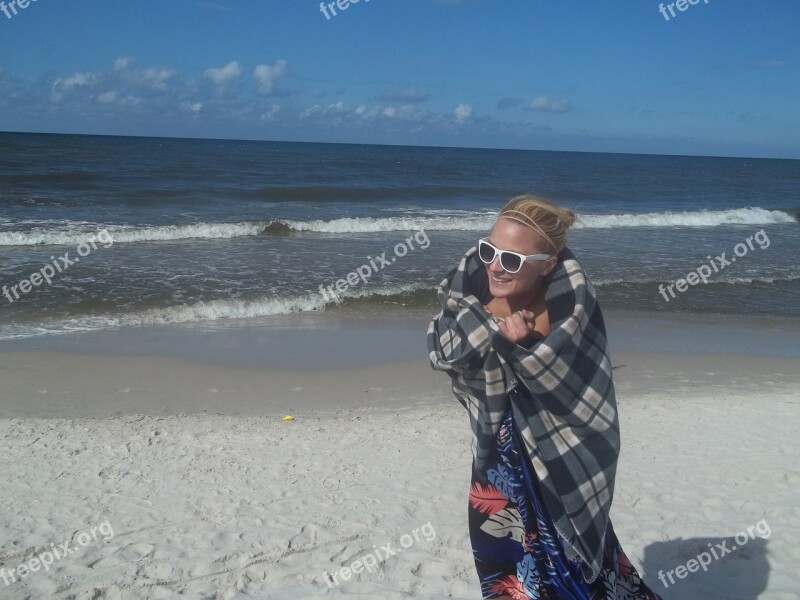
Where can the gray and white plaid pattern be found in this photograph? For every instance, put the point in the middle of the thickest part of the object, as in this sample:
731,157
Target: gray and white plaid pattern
561,392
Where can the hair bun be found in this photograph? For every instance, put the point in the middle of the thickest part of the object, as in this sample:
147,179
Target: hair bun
541,215
568,216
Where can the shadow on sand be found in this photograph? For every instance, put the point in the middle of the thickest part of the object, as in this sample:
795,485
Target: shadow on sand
739,572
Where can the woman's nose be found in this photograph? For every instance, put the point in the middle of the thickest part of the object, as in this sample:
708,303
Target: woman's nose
495,266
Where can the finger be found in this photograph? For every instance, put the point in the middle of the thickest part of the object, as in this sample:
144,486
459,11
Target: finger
513,323
511,333
512,329
519,327
522,320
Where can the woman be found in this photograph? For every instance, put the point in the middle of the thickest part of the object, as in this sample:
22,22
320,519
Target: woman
523,339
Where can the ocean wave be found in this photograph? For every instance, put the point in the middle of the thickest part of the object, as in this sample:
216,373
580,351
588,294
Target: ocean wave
714,279
380,224
761,279
361,299
484,221
74,233
700,218
213,310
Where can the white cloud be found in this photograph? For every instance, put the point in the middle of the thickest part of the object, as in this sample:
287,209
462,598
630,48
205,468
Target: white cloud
107,97
112,97
269,115
192,107
463,112
123,62
223,75
67,84
546,104
154,78
267,75
342,114
324,111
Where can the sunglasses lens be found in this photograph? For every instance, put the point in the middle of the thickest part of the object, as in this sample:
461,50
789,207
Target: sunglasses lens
510,262
486,252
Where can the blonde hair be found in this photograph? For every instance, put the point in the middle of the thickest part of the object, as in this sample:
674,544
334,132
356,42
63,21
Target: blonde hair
544,217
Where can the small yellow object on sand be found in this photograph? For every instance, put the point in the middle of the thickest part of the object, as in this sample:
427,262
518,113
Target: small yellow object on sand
288,418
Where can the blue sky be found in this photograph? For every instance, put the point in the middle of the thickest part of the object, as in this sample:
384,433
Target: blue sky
720,78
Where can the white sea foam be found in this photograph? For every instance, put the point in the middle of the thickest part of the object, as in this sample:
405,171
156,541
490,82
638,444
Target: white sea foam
199,312
701,218
720,279
73,234
229,309
483,222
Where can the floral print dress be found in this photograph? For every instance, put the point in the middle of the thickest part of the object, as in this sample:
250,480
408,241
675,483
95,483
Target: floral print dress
515,545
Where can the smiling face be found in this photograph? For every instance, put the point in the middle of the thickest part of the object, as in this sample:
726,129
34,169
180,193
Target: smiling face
508,234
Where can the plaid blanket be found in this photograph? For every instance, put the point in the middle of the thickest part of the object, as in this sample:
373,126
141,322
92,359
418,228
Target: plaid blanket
561,392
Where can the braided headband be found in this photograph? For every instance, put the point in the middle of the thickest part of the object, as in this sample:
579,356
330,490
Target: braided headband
530,223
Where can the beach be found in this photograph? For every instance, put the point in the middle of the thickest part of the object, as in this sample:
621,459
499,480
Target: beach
194,484
229,272
214,383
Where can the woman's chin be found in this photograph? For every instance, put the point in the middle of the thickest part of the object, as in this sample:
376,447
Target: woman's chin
501,291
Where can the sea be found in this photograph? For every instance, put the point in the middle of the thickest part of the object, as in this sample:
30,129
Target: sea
157,231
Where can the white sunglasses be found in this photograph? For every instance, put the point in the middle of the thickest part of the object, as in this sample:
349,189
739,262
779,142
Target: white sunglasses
510,261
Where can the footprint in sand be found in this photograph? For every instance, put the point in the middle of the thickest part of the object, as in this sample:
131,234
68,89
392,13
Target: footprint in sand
160,571
304,539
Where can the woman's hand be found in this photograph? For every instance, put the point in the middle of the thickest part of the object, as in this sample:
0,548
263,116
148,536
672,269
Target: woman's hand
519,327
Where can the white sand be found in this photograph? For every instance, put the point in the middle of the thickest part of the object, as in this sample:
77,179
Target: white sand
225,506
